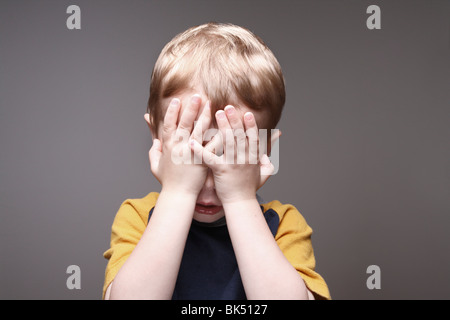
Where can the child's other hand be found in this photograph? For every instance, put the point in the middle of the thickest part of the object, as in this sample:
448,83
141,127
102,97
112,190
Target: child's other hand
166,156
239,176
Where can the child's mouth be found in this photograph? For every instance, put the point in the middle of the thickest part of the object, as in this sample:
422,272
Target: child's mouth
208,209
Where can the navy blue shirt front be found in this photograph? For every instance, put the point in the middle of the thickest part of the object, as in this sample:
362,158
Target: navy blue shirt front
209,269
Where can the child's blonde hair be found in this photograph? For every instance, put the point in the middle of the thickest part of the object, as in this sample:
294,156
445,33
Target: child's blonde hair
230,63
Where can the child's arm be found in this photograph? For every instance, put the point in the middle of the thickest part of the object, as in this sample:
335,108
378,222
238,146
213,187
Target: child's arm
151,270
265,271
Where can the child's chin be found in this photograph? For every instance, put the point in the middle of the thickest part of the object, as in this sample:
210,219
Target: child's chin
208,218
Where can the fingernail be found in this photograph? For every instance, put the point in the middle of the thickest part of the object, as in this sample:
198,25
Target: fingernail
248,116
229,110
220,114
175,102
196,98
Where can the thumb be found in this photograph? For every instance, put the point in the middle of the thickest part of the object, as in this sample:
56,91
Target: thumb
276,134
266,169
154,156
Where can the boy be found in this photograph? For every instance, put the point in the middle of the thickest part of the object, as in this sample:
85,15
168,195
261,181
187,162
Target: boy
206,235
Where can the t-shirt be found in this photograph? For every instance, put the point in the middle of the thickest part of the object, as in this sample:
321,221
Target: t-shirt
208,267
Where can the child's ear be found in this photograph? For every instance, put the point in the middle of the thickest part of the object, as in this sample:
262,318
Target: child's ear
150,125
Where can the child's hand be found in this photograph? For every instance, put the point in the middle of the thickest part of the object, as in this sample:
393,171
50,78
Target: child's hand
166,156
237,177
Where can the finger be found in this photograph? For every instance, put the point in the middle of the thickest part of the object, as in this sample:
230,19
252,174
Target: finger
253,137
190,114
208,157
170,119
203,123
154,156
222,122
250,122
238,132
215,145
266,169
233,117
227,135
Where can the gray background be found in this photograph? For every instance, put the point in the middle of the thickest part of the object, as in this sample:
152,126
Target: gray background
364,151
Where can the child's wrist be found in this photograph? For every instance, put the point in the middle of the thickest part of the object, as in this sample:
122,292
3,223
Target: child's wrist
239,200
233,210
179,193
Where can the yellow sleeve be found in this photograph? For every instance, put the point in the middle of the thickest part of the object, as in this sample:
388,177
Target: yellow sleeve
294,239
127,229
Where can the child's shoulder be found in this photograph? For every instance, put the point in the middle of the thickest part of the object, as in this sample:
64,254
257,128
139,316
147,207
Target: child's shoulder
137,208
280,208
286,212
